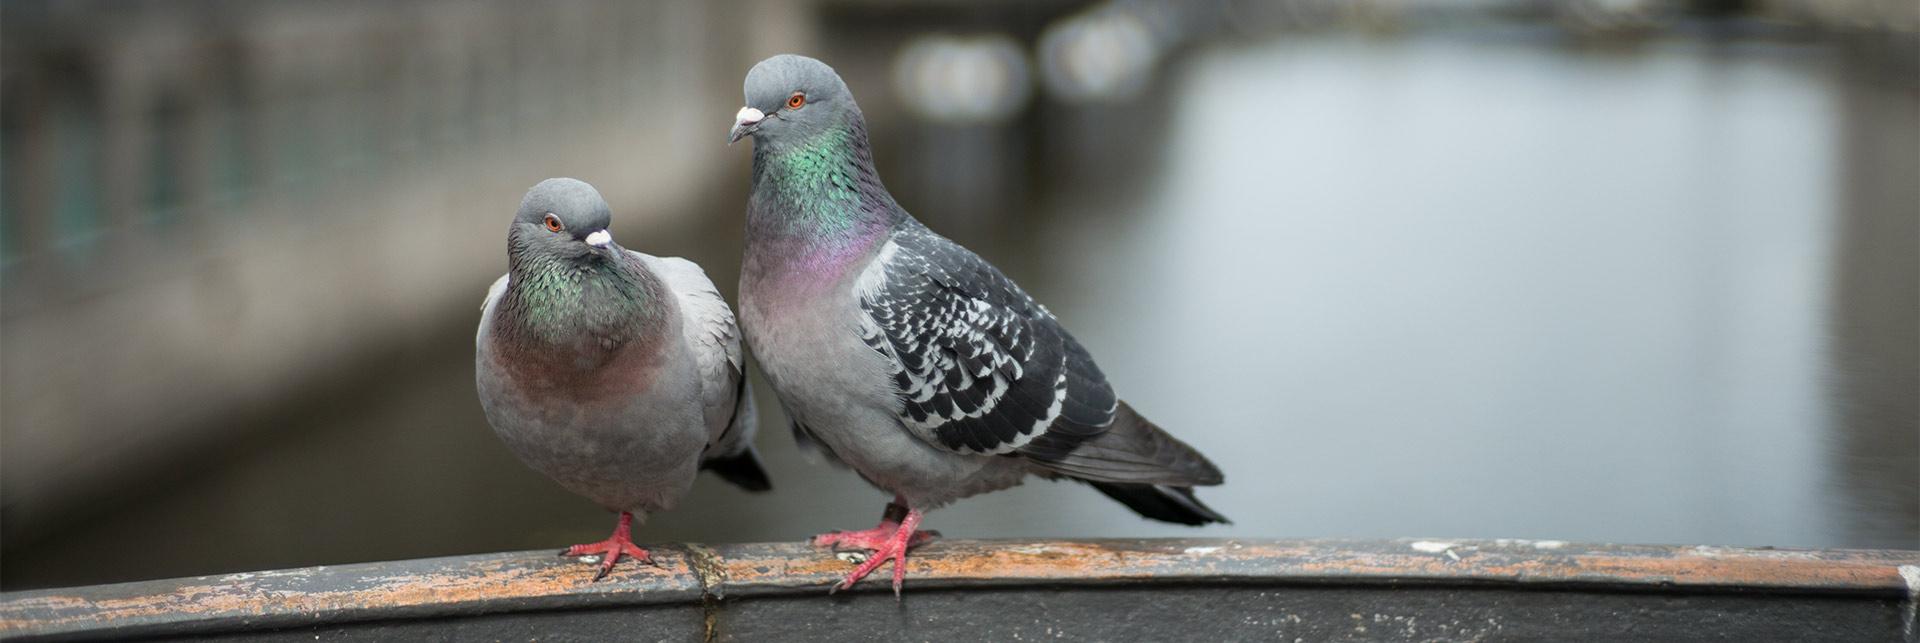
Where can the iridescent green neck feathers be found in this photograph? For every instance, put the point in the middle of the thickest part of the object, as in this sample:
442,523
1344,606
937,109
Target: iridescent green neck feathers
819,193
567,301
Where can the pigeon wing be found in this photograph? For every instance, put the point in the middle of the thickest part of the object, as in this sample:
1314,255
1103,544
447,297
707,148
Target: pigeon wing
711,333
978,366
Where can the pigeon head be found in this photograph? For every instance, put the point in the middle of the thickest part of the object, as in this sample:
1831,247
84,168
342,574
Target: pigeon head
564,217
791,98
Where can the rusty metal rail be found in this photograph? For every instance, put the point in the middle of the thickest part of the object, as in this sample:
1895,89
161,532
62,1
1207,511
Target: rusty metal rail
1000,590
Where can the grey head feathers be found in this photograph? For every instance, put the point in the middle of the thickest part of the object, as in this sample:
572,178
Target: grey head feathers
570,283
561,217
824,102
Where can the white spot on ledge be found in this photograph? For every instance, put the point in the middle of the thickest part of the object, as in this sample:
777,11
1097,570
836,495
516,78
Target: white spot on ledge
1536,544
1032,549
1911,574
1717,551
1431,547
1200,551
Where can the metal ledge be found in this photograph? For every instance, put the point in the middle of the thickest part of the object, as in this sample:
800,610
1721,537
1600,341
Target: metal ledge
1406,589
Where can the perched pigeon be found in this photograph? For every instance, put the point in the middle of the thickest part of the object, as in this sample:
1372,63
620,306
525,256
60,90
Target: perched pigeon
615,373
908,357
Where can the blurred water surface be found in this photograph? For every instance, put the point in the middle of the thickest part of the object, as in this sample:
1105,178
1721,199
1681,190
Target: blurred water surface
1394,287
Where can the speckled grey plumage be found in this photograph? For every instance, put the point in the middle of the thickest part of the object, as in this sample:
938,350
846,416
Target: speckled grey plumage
906,356
613,372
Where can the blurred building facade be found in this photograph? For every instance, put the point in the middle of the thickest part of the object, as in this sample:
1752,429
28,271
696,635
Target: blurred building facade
211,204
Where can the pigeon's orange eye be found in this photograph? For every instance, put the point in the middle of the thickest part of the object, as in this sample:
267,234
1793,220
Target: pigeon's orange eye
553,223
796,101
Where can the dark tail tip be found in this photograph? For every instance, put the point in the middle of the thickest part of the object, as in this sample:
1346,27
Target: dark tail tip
743,470
1161,502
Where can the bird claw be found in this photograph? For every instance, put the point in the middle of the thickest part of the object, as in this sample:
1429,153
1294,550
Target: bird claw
870,539
895,551
610,550
889,541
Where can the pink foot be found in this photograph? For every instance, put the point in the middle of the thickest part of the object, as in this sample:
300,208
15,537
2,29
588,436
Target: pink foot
889,541
610,550
870,539
876,538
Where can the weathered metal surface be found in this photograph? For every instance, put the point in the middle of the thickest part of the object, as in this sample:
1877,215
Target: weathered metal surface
1103,589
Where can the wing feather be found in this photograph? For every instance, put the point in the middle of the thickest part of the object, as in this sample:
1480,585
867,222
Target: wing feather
714,337
978,366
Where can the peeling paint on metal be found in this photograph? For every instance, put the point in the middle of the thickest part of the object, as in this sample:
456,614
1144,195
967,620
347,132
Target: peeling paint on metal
537,580
711,569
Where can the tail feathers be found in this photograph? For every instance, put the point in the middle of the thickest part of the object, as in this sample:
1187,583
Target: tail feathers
742,466
1133,451
1162,502
743,469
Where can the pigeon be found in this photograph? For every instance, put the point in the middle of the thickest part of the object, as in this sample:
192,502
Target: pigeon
907,357
615,373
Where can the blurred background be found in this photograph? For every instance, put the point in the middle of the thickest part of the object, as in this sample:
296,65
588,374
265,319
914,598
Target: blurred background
1603,270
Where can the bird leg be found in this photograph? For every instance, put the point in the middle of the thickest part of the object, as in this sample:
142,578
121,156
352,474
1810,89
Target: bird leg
897,533
609,550
875,538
